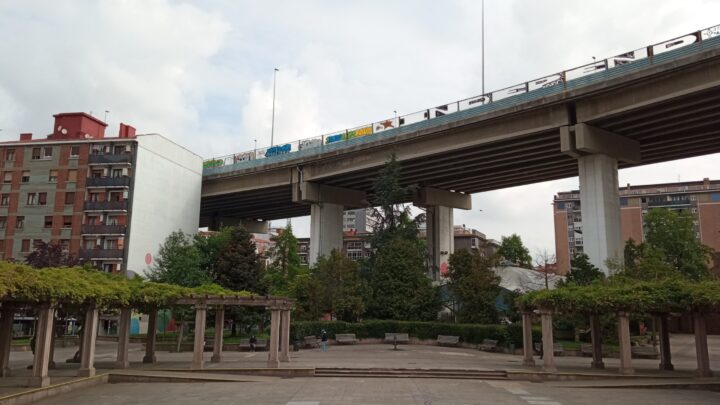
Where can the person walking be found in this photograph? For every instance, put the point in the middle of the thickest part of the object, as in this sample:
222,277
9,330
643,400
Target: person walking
323,340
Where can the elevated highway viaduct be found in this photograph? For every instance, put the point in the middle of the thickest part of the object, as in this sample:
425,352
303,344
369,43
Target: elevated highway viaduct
653,110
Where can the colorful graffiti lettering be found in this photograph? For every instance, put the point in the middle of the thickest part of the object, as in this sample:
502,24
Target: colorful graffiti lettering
278,150
213,163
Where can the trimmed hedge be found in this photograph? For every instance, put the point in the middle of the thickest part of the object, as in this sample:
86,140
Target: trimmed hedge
469,333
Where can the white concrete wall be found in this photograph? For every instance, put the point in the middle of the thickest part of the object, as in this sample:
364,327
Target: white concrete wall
165,197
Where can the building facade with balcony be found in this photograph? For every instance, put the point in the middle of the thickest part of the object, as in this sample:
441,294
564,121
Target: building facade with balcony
700,198
110,201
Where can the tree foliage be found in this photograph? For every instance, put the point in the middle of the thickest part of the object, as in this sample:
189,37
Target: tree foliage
50,255
209,247
286,264
238,266
398,283
512,249
178,262
475,286
582,272
343,291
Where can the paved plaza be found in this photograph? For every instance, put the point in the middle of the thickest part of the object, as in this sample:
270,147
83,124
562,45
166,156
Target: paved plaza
355,390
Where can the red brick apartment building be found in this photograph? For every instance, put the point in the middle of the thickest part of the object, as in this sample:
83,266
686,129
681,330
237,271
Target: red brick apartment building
700,198
79,188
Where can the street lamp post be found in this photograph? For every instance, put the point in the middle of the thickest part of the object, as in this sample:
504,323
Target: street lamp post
272,125
482,45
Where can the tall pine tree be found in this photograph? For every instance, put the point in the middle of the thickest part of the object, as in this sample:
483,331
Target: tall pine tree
238,266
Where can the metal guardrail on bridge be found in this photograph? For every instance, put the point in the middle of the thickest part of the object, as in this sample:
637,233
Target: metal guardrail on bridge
566,80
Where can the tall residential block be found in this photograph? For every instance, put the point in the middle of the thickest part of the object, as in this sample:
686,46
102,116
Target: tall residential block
110,201
700,198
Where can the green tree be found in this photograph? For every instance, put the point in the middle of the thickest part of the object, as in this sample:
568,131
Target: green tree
343,289
309,294
512,249
286,263
209,246
644,262
672,234
398,284
238,266
475,286
178,262
582,272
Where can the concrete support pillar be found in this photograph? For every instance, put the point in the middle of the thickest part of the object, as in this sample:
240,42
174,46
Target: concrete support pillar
199,346
624,340
43,336
664,334
285,336
254,226
87,356
528,359
701,347
273,361
219,329
547,341
440,237
151,337
596,336
326,230
600,205
123,361
6,334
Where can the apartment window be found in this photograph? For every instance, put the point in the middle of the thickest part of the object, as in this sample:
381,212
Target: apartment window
3,221
52,178
117,173
9,155
48,221
37,199
115,196
19,222
72,175
108,267
32,199
119,149
37,243
74,152
97,174
47,152
69,198
42,198
94,197
67,221
7,177
111,244
26,176
4,200
25,245
36,153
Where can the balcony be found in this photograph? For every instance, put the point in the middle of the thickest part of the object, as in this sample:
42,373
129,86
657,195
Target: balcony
106,205
94,254
683,201
104,229
122,158
123,181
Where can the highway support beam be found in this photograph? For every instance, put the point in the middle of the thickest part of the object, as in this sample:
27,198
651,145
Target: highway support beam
251,225
326,214
439,205
598,152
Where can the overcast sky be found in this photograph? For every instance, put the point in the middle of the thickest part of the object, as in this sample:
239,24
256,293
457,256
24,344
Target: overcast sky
201,73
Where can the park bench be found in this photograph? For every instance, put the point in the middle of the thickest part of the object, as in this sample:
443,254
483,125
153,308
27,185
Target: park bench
245,344
345,338
311,342
445,340
558,349
488,345
586,350
644,352
397,338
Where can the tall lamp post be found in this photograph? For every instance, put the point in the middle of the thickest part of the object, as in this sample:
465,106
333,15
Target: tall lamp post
272,125
482,45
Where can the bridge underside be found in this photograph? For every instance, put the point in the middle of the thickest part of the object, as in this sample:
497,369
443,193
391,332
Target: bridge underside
679,123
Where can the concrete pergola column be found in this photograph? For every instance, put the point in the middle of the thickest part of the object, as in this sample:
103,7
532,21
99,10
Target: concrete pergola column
598,152
123,361
219,329
596,337
285,336
623,320
43,335
665,355
87,355
547,341
701,346
199,346
528,359
273,361
151,337
6,333
326,230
